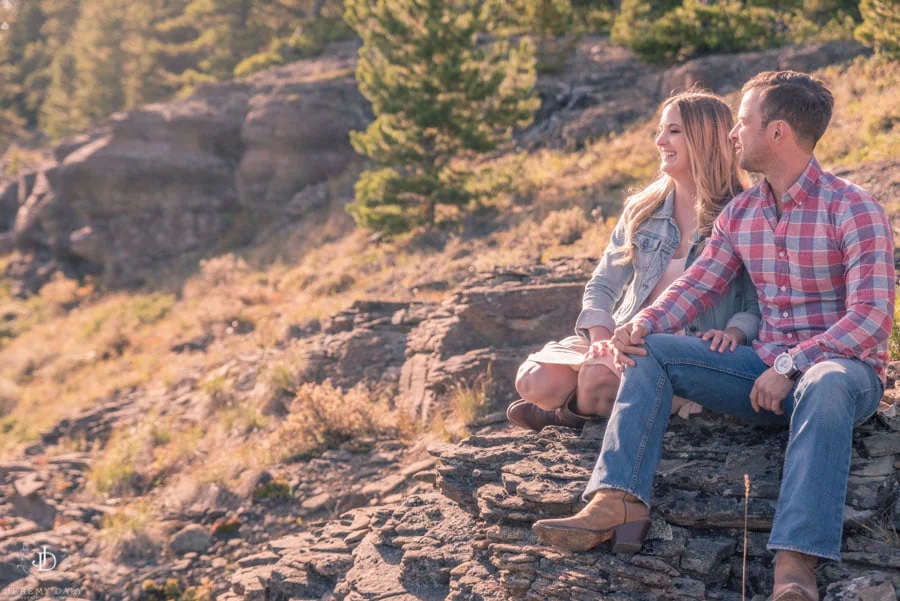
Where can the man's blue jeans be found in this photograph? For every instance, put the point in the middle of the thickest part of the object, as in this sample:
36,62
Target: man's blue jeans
826,402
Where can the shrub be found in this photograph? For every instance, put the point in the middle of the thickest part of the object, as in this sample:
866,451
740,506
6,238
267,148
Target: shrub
880,28
323,416
694,29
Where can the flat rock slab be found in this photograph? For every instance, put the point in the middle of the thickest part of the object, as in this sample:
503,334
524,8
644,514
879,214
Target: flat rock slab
695,548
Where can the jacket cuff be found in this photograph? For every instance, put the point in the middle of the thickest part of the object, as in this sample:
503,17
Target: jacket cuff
748,323
589,318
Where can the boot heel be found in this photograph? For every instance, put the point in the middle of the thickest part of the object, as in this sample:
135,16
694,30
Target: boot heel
629,537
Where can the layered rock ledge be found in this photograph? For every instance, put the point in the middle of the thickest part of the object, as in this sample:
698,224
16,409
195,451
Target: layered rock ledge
472,539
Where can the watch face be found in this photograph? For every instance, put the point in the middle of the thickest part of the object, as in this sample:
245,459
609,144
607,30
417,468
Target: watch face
783,364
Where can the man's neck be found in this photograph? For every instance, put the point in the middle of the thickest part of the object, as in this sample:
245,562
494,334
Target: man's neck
784,173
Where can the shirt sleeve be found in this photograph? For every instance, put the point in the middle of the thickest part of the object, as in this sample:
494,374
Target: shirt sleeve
748,318
868,258
700,286
606,286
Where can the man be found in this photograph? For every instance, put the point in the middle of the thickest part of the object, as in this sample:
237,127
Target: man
820,253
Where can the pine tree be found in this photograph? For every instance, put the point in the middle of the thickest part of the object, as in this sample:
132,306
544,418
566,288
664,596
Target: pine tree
221,33
438,93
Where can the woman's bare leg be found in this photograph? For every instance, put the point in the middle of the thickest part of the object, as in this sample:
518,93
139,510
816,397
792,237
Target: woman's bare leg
546,385
597,389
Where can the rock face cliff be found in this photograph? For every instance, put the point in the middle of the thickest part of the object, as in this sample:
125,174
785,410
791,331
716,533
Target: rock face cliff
151,184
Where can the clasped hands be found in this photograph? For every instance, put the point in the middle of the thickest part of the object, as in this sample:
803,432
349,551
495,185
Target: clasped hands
769,390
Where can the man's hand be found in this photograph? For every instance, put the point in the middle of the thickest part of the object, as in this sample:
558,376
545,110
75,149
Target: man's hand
628,340
769,391
722,340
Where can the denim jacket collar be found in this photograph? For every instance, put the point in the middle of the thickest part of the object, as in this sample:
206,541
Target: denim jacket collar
667,210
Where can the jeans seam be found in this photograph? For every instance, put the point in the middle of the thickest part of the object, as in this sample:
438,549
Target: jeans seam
711,367
640,456
804,550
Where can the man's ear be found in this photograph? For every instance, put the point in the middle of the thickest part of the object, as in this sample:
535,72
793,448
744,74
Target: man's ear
779,130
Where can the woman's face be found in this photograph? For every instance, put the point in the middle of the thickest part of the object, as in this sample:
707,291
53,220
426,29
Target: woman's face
673,152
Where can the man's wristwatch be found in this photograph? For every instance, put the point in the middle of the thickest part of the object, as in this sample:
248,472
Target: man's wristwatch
784,365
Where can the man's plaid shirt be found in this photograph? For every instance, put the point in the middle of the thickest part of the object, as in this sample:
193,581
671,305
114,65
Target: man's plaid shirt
824,271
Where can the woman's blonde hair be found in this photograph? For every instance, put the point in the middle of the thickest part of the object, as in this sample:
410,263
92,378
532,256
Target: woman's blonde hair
707,122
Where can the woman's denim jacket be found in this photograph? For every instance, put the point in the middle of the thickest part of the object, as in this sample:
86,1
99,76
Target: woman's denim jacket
616,292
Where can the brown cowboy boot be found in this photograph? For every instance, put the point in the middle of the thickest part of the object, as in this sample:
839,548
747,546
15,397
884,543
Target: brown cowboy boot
795,577
530,416
611,514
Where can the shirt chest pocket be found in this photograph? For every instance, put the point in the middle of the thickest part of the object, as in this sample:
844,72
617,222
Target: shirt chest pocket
646,246
814,264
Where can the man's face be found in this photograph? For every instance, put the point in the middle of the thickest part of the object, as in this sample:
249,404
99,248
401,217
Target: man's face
749,135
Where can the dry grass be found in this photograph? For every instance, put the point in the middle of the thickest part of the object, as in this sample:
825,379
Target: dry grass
866,122
322,416
468,403
129,534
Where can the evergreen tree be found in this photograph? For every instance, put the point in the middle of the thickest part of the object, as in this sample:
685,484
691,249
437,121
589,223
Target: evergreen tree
222,34
552,22
438,93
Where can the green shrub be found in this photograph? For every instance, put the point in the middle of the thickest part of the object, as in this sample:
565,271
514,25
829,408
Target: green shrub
694,29
880,28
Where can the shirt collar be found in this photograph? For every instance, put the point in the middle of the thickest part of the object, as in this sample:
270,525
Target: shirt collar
801,189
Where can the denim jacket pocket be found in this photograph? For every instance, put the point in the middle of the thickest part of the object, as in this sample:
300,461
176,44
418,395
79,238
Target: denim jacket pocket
646,246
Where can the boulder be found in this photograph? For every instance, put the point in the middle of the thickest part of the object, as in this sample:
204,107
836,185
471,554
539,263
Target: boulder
296,132
192,538
488,327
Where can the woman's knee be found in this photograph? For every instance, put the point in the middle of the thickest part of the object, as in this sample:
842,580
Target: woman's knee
597,389
544,386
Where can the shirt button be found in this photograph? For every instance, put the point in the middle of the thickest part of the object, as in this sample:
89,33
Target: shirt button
781,254
783,288
785,314
789,335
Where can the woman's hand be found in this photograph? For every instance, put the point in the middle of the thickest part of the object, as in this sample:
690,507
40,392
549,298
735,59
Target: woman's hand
600,348
722,340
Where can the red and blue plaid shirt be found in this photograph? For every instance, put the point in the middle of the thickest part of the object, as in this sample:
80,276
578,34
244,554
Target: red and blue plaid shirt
824,272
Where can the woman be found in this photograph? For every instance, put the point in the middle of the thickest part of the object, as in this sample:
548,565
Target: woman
662,230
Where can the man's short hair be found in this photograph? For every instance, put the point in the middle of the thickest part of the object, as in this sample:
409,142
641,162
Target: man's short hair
802,100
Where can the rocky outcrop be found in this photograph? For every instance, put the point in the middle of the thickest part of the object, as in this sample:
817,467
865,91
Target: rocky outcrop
488,327
364,343
696,545
474,541
151,184
605,88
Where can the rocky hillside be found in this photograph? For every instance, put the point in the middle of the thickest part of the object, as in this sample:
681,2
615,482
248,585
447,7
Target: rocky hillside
210,436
